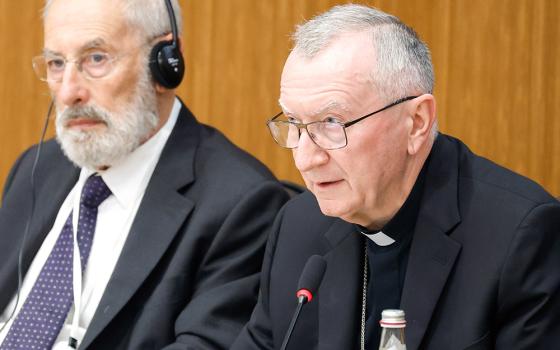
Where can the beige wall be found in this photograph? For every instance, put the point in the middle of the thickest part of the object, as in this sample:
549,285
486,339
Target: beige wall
497,68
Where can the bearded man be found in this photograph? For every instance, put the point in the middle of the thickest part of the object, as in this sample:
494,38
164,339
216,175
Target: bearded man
170,217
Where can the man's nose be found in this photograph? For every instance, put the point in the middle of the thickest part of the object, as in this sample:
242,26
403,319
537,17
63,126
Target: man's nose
308,155
72,89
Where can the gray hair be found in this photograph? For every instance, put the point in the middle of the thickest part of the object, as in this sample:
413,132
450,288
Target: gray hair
403,63
149,16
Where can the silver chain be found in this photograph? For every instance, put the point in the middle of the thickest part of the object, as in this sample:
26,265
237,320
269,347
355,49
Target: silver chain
364,297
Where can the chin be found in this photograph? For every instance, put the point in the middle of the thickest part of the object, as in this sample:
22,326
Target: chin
336,208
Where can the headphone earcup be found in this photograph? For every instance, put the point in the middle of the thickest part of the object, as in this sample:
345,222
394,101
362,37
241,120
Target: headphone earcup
167,64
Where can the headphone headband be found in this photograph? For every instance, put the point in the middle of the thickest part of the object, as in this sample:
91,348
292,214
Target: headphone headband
173,22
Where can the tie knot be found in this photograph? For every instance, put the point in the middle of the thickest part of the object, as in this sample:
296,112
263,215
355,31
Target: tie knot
95,191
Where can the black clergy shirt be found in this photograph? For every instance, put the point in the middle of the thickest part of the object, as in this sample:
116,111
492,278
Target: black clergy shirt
387,264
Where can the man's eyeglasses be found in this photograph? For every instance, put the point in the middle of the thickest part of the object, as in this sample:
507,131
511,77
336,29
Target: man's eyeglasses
93,65
328,135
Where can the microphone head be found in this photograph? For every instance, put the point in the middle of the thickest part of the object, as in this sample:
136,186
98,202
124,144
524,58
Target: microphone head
311,277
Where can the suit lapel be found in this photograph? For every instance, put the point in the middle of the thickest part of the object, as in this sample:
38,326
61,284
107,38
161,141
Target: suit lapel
54,184
161,214
431,259
340,292
49,199
433,253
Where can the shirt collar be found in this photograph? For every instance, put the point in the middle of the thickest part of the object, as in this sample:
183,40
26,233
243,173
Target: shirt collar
129,178
379,238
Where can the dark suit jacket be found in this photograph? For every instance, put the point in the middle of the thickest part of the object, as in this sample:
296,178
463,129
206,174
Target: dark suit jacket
483,269
187,277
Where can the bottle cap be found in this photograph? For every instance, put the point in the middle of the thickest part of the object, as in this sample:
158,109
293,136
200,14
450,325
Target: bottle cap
392,319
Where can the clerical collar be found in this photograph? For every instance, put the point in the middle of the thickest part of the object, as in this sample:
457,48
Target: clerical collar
378,237
400,227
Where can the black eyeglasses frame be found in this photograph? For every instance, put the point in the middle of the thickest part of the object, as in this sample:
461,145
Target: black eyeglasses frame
344,125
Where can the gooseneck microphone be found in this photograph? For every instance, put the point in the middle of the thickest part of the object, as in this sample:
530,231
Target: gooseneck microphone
308,283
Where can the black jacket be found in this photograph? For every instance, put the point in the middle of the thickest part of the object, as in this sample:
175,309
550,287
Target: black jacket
187,276
483,270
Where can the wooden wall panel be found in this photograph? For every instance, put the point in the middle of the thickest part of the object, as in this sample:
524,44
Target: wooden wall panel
497,74
23,99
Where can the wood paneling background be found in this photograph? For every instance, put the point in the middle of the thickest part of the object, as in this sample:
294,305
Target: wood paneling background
497,66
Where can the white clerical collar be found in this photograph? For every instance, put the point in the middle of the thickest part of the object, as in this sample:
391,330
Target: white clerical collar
379,238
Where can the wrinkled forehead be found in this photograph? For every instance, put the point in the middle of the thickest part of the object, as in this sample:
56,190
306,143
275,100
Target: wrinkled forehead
338,75
72,23
347,54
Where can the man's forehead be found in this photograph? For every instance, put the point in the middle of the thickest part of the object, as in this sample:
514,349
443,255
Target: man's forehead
317,111
85,7
352,59
83,14
341,47
316,94
88,45
73,25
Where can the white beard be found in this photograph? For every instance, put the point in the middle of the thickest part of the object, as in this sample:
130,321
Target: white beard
123,132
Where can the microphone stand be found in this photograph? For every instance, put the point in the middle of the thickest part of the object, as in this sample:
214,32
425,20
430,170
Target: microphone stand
302,300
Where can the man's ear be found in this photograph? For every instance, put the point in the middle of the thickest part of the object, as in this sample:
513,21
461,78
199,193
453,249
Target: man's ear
423,116
160,89
180,43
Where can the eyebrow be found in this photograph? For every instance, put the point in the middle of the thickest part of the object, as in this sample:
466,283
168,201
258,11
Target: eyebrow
321,111
92,44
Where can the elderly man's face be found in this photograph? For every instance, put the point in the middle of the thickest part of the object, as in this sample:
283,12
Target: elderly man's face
353,183
99,121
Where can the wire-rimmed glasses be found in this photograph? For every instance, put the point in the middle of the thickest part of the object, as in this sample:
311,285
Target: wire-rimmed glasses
93,65
328,135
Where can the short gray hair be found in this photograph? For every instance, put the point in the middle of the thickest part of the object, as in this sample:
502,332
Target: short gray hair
149,16
403,62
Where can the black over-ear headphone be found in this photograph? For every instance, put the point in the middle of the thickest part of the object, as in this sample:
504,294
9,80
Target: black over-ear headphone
166,62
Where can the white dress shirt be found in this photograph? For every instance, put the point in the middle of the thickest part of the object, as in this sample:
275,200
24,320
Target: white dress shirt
127,181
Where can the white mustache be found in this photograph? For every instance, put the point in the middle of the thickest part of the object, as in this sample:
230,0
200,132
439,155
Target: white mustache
90,112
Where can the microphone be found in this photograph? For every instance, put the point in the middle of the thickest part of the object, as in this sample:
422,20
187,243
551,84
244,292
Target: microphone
309,281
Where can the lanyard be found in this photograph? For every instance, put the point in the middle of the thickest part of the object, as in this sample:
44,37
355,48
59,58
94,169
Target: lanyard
76,271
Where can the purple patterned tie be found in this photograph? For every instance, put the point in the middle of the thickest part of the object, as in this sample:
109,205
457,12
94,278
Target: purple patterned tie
42,315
